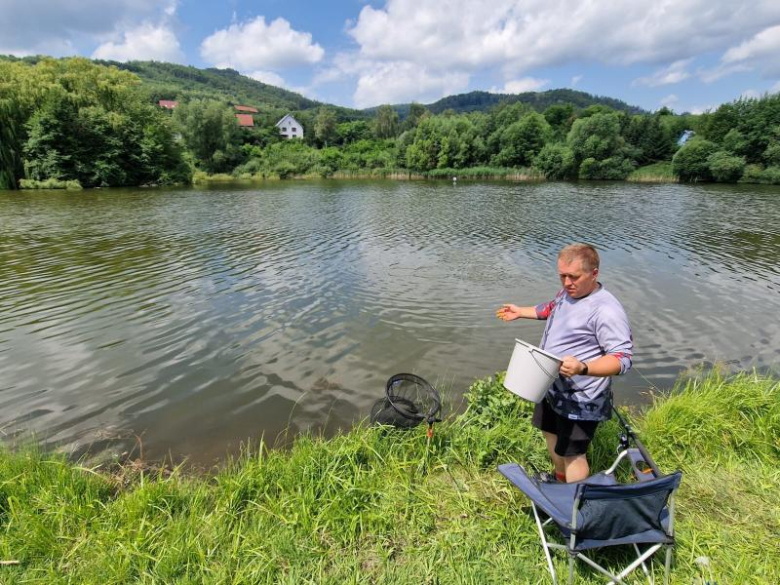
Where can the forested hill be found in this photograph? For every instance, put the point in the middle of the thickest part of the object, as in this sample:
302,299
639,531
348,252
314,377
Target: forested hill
539,101
169,81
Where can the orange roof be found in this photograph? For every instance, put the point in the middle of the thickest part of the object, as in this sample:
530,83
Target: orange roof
245,120
169,104
246,109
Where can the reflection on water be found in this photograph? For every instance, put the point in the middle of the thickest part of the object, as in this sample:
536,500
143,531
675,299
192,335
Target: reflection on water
197,319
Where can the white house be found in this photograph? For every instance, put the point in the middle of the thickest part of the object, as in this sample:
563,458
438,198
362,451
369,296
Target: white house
289,127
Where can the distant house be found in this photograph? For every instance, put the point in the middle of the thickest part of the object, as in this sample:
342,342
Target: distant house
168,104
289,127
245,120
247,109
685,137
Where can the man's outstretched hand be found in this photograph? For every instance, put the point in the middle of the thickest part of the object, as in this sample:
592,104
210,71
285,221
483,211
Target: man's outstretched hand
508,313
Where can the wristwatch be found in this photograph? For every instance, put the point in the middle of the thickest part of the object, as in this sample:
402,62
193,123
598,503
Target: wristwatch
585,371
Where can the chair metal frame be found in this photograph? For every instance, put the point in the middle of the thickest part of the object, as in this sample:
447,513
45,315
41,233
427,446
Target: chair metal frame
642,475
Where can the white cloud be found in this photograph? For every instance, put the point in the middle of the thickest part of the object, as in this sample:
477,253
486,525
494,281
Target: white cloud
256,45
522,85
701,109
674,73
761,50
750,94
775,88
388,83
669,100
720,71
519,34
575,80
56,28
758,52
147,42
277,80
462,37
764,44
268,77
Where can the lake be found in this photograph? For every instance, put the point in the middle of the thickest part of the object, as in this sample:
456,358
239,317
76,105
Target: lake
181,322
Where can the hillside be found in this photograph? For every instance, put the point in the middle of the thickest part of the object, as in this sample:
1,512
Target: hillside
171,81
483,101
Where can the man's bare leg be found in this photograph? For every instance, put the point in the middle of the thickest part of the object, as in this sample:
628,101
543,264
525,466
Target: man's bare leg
576,467
558,461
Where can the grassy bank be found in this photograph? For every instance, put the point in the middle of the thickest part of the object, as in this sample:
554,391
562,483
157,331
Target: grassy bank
373,506
656,173
475,173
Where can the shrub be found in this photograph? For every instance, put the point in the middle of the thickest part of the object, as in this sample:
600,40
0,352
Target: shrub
615,168
725,167
556,161
691,162
756,174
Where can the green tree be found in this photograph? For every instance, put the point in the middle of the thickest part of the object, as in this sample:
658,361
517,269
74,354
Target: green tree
416,113
521,142
349,132
652,140
386,122
211,133
325,126
597,139
560,117
734,142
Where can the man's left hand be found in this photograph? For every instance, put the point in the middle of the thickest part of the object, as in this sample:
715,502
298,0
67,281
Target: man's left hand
571,366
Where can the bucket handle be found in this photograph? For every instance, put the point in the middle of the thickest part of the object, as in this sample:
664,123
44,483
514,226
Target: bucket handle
538,363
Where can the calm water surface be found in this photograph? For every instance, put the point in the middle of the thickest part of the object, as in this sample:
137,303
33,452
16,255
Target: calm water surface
196,319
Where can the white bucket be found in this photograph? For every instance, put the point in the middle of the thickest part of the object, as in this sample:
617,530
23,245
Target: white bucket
531,371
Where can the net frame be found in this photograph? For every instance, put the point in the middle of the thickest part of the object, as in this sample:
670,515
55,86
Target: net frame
400,401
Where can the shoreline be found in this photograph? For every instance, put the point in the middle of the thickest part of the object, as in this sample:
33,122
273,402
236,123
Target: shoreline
379,505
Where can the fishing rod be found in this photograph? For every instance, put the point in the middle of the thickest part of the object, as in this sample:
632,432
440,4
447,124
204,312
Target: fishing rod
630,434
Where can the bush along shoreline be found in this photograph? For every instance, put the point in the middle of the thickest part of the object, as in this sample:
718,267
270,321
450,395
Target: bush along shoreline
376,505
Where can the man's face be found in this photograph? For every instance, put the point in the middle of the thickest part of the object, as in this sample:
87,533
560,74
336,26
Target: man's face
577,281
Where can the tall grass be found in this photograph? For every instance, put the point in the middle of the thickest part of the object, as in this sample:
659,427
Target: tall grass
522,174
660,172
377,505
72,185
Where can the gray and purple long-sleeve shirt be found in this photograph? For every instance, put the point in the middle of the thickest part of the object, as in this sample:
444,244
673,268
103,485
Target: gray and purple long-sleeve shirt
586,328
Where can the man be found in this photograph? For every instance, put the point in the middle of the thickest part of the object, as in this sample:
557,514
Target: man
588,326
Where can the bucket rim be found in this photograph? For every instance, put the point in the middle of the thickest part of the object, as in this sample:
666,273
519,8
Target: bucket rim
539,349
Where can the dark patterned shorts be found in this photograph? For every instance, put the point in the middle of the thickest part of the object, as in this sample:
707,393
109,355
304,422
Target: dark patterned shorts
574,436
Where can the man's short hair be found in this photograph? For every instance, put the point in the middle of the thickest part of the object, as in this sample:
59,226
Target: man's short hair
584,252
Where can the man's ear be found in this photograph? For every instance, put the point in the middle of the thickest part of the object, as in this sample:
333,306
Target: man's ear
595,272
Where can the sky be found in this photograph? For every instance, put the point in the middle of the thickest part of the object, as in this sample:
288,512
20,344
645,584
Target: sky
688,55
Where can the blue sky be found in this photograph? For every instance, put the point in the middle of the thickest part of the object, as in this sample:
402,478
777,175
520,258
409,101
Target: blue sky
688,54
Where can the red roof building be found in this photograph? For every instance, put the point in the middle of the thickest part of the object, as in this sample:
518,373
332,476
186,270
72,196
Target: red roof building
168,104
249,109
245,120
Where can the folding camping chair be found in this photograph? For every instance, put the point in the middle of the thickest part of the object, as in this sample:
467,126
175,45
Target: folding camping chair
600,512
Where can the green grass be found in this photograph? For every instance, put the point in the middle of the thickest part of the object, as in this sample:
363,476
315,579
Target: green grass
73,185
374,506
522,174
660,172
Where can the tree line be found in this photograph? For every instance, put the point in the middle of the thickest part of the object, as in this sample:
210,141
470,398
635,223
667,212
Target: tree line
74,120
